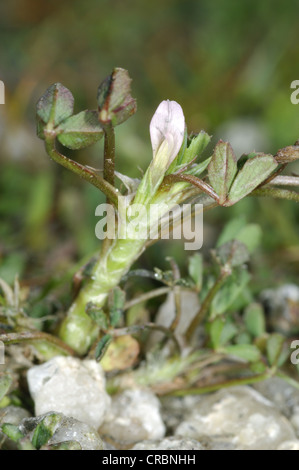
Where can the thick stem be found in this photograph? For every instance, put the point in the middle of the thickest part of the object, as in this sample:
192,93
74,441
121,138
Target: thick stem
78,329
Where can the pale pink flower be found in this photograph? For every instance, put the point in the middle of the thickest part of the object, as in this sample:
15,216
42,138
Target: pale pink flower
167,129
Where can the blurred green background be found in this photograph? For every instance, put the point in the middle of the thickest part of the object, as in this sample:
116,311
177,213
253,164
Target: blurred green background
229,64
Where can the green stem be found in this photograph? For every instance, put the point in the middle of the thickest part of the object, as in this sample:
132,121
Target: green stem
286,180
81,170
109,171
197,182
37,336
146,296
78,329
214,387
288,379
199,317
109,154
177,296
277,193
152,326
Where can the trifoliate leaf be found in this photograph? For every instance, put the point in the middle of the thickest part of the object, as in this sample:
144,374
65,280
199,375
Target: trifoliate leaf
80,130
115,102
222,169
254,172
55,105
248,352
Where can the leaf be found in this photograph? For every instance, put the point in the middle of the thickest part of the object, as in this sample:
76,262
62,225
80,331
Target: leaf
243,338
12,432
233,253
177,162
5,383
248,156
45,430
229,292
196,147
41,436
131,184
222,169
231,230
274,348
199,168
248,352
25,444
116,305
258,367
80,130
102,346
121,353
253,173
115,102
215,329
251,236
55,105
255,320
228,332
40,128
236,229
97,315
67,445
195,269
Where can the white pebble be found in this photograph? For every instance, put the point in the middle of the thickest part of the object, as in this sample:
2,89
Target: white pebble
73,387
240,416
134,416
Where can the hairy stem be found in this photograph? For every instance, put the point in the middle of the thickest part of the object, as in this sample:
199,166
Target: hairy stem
109,154
276,193
286,180
109,171
78,329
81,170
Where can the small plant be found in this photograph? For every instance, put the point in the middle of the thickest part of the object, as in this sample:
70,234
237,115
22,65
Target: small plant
233,328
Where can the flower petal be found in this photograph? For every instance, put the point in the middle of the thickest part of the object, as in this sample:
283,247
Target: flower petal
168,123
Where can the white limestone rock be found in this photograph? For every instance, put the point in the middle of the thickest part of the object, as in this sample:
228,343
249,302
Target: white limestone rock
282,394
134,416
289,445
12,415
169,443
64,430
166,314
73,387
240,416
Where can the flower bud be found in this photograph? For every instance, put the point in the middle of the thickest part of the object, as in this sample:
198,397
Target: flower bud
288,154
115,102
167,129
